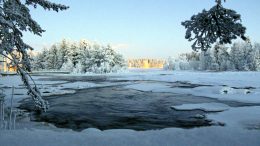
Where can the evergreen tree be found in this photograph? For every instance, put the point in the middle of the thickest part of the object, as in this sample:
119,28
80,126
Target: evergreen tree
221,58
39,61
257,56
242,56
206,60
82,57
53,58
217,24
109,55
15,18
74,54
63,52
119,61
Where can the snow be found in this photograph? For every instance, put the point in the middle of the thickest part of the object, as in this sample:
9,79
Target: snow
47,88
234,133
210,107
227,90
235,83
216,92
231,79
77,85
10,81
213,136
147,86
242,124
240,117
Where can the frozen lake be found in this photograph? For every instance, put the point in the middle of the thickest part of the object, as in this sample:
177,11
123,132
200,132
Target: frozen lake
117,107
190,108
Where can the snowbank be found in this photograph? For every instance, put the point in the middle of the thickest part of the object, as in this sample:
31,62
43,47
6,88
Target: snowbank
212,136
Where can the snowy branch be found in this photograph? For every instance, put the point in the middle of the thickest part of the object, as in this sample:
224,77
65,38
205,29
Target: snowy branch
15,18
217,24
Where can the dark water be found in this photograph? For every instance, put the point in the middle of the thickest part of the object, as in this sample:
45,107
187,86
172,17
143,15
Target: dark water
115,107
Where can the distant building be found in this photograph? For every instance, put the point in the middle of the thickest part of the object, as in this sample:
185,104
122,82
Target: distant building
145,63
4,67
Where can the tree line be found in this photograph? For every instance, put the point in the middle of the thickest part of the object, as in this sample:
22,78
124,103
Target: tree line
79,57
239,57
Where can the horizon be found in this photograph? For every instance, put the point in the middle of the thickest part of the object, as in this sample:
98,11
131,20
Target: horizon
136,29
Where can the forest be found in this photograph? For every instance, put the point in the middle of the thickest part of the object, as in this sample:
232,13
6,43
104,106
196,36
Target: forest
240,56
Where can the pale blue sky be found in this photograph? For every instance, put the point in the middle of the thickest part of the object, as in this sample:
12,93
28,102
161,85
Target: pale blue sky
139,28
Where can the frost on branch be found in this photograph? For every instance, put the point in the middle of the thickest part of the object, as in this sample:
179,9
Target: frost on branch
217,24
15,18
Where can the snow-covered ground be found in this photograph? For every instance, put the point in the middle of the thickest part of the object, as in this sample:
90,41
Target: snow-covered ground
47,87
210,107
238,86
242,124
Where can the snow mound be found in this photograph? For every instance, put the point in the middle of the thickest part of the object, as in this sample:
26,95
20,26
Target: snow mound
208,136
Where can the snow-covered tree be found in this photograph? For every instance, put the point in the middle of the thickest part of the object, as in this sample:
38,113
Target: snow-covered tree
15,18
63,52
169,64
81,57
53,58
78,69
119,61
84,52
74,53
186,61
206,60
67,66
37,62
217,24
221,58
242,56
257,56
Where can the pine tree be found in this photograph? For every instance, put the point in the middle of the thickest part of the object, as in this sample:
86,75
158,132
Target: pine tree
249,56
63,52
15,18
53,58
39,61
257,56
119,60
217,24
242,56
109,56
206,60
82,57
221,58
74,54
